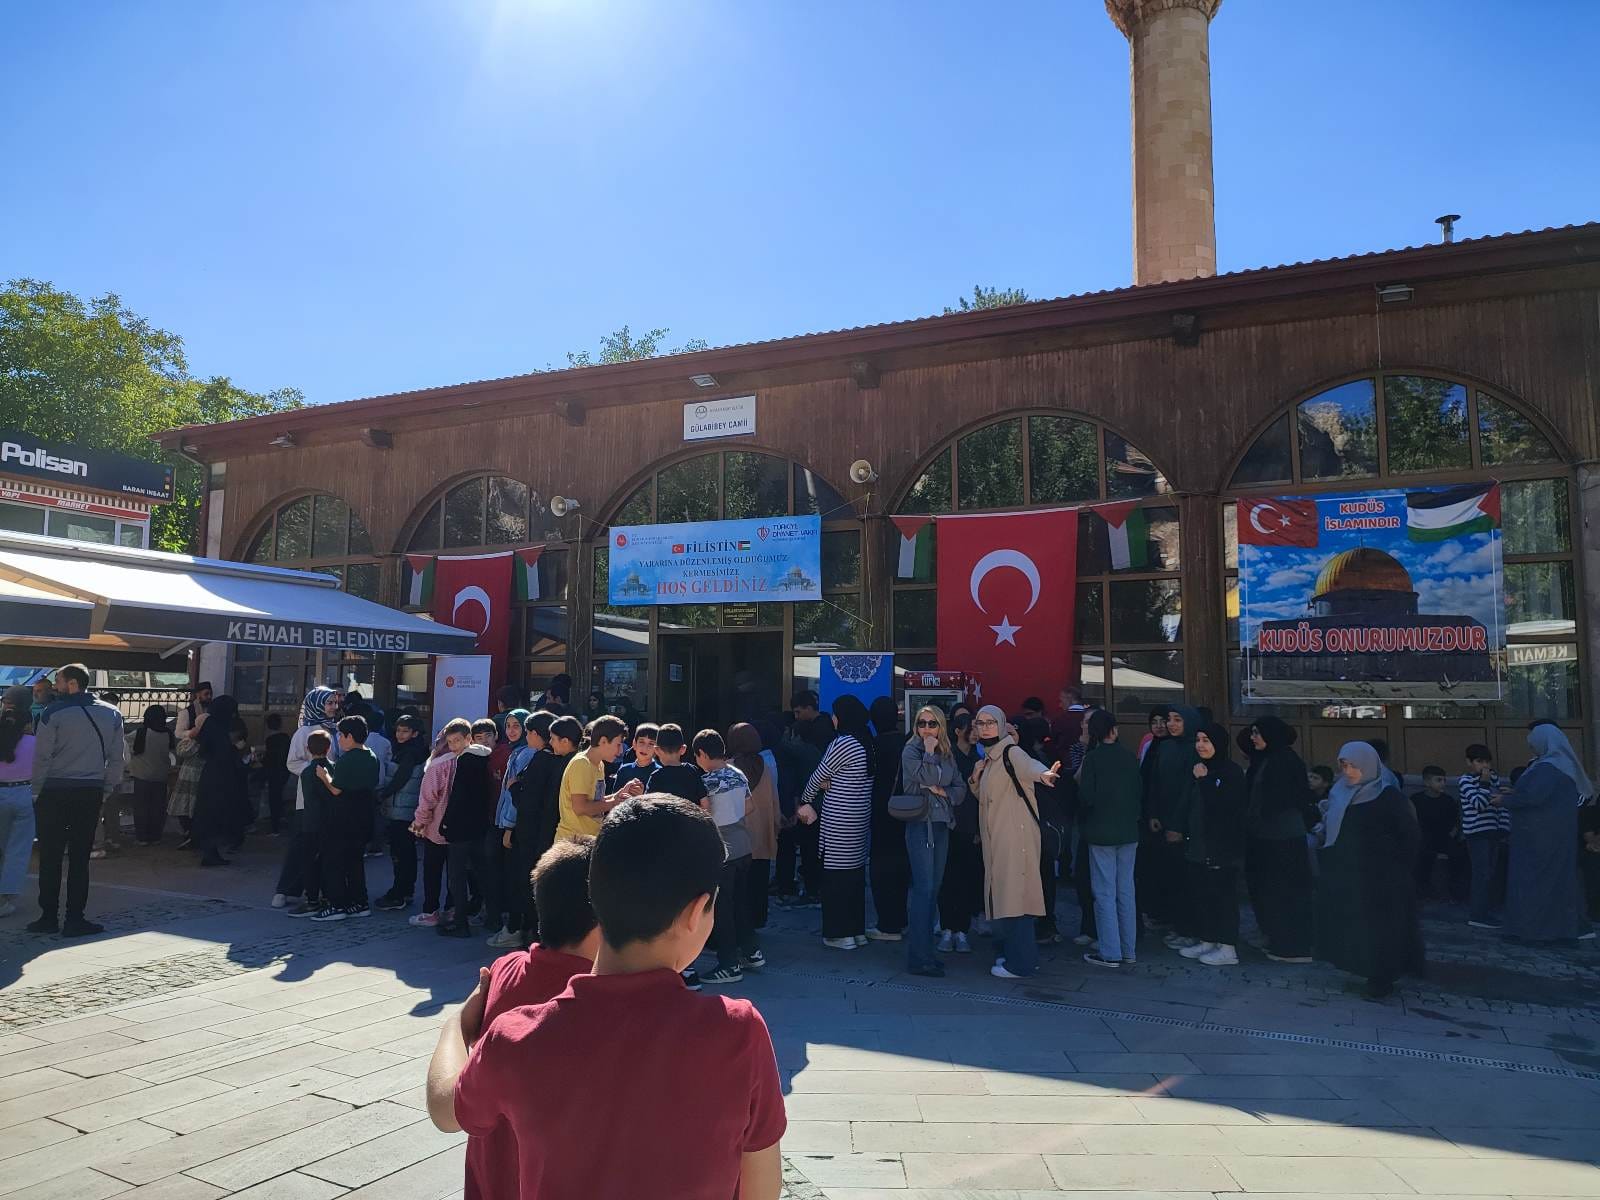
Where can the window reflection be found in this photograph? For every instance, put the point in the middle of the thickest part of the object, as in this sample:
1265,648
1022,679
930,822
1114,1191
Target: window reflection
1145,610
1507,437
754,485
1539,599
1063,460
1129,472
815,496
463,515
688,491
916,615
1426,423
989,466
1339,432
1534,517
1268,459
931,492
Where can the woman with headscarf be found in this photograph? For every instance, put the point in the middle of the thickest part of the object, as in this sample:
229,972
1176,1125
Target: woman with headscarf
302,863
1544,898
1277,871
838,799
1212,823
760,813
223,780
149,765
1008,816
889,870
1366,910
500,891
1162,880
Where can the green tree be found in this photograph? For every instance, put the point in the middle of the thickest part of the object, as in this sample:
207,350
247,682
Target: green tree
96,374
621,346
983,297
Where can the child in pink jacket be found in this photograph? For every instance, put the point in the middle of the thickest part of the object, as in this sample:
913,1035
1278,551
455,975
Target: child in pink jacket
434,797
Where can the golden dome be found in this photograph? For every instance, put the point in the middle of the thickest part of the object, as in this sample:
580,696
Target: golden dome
1363,568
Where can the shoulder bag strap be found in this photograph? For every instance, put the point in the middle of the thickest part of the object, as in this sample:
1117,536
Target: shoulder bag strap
99,737
1005,758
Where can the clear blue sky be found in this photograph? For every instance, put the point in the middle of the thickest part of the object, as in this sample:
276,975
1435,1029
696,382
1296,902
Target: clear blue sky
372,195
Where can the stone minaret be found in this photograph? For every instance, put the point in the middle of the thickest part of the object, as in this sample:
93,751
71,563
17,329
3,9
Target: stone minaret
1174,223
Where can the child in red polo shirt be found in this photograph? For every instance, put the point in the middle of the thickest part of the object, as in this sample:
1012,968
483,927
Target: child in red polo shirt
582,1081
568,939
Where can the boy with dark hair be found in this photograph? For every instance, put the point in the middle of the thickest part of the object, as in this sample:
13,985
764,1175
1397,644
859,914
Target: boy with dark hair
275,764
727,791
465,823
1320,780
568,940
674,776
644,755
547,1075
583,801
1440,829
398,799
315,801
1484,828
346,823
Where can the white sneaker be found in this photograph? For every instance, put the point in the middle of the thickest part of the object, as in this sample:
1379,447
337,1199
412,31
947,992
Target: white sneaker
1176,941
999,972
963,946
844,943
1083,939
279,900
7,907
504,940
1220,956
424,920
1196,949
946,942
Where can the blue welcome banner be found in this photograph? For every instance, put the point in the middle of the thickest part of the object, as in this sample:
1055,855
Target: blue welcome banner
717,561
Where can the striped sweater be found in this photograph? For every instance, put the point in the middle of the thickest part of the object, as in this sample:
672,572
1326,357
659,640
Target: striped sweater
1477,814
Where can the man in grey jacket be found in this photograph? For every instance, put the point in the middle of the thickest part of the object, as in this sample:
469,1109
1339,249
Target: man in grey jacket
77,762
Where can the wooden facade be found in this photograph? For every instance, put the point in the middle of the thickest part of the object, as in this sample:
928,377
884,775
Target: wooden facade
1187,372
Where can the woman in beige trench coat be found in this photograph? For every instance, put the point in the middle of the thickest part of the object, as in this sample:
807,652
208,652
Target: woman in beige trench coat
1008,820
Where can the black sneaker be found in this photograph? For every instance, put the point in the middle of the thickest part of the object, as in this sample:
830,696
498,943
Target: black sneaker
691,979
723,975
753,961
392,903
45,924
1094,960
307,908
358,910
328,913
78,927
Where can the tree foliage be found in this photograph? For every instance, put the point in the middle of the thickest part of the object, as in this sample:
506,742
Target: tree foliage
621,346
98,375
983,297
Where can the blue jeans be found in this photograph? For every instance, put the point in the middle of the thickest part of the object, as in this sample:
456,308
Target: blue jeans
1018,943
16,835
927,845
1116,920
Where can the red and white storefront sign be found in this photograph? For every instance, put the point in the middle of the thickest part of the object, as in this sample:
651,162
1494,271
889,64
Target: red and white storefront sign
58,498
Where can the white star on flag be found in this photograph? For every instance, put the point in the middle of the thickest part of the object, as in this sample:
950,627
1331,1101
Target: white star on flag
1006,631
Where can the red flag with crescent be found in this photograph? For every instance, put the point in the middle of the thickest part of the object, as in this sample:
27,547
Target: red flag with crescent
1275,521
1008,600
473,592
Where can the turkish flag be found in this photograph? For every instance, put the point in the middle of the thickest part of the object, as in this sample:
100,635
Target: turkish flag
1275,521
474,593
1007,601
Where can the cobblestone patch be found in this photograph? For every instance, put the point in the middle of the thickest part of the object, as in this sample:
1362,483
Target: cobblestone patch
137,919
796,1186
21,1007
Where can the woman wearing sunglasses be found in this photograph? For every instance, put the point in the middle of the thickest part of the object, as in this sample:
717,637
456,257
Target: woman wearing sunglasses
928,768
1009,818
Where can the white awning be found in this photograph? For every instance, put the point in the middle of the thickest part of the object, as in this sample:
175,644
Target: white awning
178,600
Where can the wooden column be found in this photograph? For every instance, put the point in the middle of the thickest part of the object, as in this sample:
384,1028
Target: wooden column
1205,667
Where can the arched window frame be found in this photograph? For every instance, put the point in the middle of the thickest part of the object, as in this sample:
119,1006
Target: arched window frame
277,678
834,622
1557,550
1117,610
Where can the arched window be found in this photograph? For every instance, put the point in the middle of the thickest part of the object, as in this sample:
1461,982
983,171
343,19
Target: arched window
495,512
319,533
730,485
1129,611
1412,430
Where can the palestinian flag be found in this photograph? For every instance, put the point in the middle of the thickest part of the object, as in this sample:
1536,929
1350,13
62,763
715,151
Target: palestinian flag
916,548
1452,512
525,577
1128,531
419,585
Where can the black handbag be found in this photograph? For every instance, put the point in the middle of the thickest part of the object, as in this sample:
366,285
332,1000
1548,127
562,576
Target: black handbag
907,806
1052,835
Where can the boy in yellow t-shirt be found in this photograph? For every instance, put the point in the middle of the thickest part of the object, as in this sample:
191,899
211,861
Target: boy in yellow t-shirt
584,802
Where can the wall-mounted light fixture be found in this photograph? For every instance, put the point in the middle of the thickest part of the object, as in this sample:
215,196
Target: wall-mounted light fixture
284,441
703,380
1392,293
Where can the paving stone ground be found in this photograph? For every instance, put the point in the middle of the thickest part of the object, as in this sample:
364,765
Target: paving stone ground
206,1046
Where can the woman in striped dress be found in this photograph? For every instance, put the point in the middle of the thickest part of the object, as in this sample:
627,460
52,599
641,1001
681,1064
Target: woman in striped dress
845,774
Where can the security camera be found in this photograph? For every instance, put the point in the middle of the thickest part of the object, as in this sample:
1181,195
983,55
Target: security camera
562,505
861,472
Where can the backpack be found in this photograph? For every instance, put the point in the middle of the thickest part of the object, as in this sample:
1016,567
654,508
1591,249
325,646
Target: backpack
1052,833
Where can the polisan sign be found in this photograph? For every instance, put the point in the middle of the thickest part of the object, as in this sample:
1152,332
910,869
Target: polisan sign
22,455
